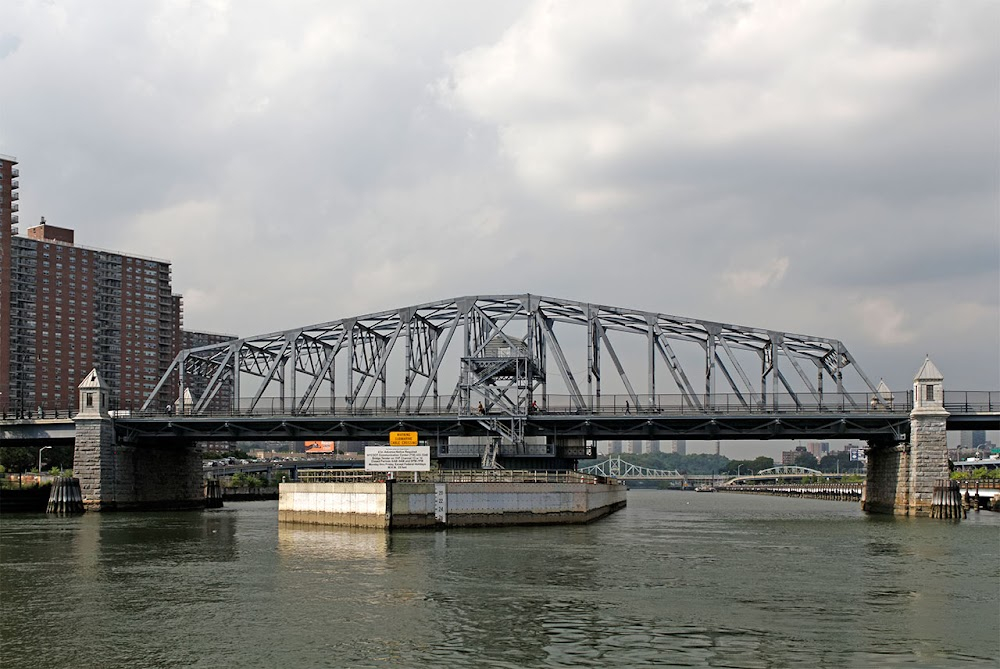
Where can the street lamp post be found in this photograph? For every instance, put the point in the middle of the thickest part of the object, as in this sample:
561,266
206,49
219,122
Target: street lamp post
40,461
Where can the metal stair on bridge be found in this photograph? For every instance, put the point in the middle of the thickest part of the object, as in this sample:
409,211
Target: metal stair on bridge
490,453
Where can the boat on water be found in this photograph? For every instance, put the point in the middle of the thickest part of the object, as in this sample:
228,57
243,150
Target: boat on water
705,488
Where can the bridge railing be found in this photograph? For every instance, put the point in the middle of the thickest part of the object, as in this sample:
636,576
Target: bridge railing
972,401
37,412
455,476
605,405
955,401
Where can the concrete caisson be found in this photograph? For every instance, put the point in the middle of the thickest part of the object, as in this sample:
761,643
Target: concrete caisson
397,504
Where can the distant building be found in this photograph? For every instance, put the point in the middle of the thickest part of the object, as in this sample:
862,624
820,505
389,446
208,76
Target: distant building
973,438
678,446
614,448
8,227
789,457
818,448
67,309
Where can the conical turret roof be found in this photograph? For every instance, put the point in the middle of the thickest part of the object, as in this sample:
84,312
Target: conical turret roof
93,382
883,389
928,372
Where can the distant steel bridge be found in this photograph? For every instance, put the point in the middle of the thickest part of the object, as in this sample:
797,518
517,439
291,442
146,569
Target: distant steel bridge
622,469
616,467
785,473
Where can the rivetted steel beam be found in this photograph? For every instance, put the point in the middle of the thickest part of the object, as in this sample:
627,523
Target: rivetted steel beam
739,370
213,385
618,364
317,378
272,369
519,320
674,366
561,363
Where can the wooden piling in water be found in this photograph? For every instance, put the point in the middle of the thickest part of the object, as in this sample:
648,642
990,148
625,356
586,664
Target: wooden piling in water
65,496
213,494
946,500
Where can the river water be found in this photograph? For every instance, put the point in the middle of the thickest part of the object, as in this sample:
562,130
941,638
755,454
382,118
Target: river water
675,579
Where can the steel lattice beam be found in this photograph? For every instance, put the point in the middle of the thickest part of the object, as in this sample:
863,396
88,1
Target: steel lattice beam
410,353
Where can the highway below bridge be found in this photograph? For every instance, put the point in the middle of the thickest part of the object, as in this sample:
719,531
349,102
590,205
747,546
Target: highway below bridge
269,468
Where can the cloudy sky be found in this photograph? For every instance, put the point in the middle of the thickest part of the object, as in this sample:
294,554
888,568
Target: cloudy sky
829,168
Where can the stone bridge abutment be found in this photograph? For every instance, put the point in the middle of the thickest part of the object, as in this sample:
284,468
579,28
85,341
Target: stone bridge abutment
119,477
901,476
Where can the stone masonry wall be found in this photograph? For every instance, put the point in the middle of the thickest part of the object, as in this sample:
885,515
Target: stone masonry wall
887,483
93,463
168,477
116,476
928,459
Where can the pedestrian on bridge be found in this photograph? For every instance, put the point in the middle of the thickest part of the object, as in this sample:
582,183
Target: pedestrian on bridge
481,409
628,409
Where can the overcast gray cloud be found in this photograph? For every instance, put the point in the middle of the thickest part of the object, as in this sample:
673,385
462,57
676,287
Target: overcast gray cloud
821,167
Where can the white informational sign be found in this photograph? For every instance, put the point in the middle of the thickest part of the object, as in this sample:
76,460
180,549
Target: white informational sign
398,458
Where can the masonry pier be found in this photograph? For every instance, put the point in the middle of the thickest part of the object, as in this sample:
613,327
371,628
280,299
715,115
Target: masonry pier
115,476
901,476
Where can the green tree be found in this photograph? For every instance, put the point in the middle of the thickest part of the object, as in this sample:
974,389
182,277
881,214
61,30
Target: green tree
735,467
806,459
18,458
243,480
834,462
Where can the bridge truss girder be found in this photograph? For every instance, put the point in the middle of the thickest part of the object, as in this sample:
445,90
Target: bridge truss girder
408,360
622,469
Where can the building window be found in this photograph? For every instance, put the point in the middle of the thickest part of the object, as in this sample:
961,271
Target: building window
929,392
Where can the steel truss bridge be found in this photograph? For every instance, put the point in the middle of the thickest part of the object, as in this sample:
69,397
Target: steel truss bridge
622,469
783,473
520,367
615,467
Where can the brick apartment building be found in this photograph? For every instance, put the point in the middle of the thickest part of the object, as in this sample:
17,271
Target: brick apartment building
8,222
66,309
223,400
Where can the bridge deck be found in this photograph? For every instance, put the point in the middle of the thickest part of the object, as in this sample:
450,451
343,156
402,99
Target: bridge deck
375,424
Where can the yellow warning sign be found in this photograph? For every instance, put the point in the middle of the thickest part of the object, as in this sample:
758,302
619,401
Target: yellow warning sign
402,438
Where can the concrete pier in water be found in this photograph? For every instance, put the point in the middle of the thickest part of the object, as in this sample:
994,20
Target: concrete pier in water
559,497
